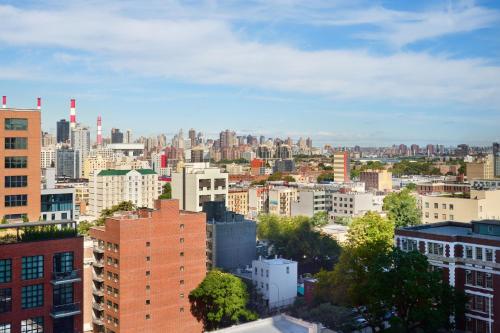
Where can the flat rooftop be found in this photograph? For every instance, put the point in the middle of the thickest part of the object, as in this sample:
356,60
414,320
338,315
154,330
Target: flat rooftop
456,229
277,261
277,324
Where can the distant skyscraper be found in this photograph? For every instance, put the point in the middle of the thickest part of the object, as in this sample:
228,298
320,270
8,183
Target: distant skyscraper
262,140
192,137
116,136
496,156
68,163
48,139
128,137
309,143
62,131
227,139
341,167
80,141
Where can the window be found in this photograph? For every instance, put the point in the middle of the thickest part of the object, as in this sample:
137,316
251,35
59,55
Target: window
181,268
436,205
148,316
148,302
32,268
16,200
426,205
16,162
451,206
468,252
5,300
427,214
489,254
489,280
32,325
436,216
181,295
287,270
148,244
148,287
181,240
409,245
63,262
181,282
148,258
32,296
16,124
452,217
5,328
148,273
5,270
63,294
479,303
16,143
479,253
255,271
468,278
181,254
435,248
16,181
181,226
443,206
480,279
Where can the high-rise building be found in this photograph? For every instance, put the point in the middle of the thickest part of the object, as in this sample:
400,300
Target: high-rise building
20,165
128,137
48,157
197,183
80,141
341,167
496,157
192,137
41,287
48,139
309,143
227,139
62,131
146,264
68,163
116,136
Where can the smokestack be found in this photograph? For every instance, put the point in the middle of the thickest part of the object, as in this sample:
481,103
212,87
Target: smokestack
4,102
72,114
99,131
39,103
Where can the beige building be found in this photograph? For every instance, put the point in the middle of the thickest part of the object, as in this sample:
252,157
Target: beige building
280,200
237,201
341,167
481,205
110,187
48,157
379,180
96,164
482,168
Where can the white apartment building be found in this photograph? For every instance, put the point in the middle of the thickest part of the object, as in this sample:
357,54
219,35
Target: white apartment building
276,280
110,187
197,183
310,201
354,204
48,157
482,204
280,200
258,201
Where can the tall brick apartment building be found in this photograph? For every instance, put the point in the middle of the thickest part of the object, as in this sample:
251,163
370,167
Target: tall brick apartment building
145,265
41,289
20,164
469,256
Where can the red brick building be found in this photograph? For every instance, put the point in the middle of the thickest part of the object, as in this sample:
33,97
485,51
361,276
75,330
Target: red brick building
41,288
469,256
146,264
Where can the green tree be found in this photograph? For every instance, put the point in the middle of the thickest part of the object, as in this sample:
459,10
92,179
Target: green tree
166,192
288,178
411,186
4,220
220,301
325,177
320,219
401,207
275,176
84,227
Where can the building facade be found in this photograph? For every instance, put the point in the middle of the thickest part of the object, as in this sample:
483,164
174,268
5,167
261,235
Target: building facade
62,131
310,201
280,200
482,168
237,201
378,180
48,157
145,265
68,163
20,174
41,286
341,167
354,204
468,254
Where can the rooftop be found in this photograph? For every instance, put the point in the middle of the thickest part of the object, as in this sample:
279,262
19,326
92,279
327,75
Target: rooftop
277,324
116,172
450,228
277,261
37,231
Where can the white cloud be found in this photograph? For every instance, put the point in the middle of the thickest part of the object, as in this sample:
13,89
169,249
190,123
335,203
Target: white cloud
208,51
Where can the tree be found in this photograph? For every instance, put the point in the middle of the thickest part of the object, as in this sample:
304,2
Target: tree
334,317
411,186
325,177
84,227
401,207
166,192
220,301
4,220
319,219
288,179
275,177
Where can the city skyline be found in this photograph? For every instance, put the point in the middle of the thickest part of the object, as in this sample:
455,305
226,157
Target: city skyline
342,73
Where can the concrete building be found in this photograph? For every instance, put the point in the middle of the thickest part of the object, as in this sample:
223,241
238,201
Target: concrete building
353,204
41,286
482,168
467,254
231,239
276,280
58,204
287,165
197,183
280,200
496,159
145,265
281,323
310,201
441,187
20,167
96,164
80,141
68,163
110,187
258,201
482,204
378,180
62,131
485,184
127,149
341,167
48,156
116,136
237,201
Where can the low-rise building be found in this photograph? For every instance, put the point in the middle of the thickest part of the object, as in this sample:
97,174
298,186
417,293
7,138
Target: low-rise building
378,180
237,201
258,201
280,200
467,254
353,204
276,280
58,204
281,323
310,201
481,168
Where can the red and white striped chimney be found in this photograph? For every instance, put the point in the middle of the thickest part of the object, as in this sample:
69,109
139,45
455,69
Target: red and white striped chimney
99,131
72,114
39,103
4,102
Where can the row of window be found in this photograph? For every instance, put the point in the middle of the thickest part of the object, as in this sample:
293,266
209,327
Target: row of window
31,325
409,245
443,206
33,266
479,303
16,181
31,297
16,162
435,248
16,200
478,279
16,124
16,143
443,216
478,253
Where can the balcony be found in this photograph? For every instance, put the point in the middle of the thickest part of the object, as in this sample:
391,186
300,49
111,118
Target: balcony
65,310
65,277
98,263
98,249
98,320
97,277
97,306
98,291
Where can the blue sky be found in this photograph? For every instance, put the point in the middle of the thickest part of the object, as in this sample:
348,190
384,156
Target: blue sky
343,72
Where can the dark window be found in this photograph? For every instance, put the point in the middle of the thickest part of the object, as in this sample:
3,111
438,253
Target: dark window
32,268
63,294
16,162
16,143
16,124
32,325
5,270
63,262
21,216
16,200
5,300
57,202
32,296
16,181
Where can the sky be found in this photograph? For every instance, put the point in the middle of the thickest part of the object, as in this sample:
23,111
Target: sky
346,72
